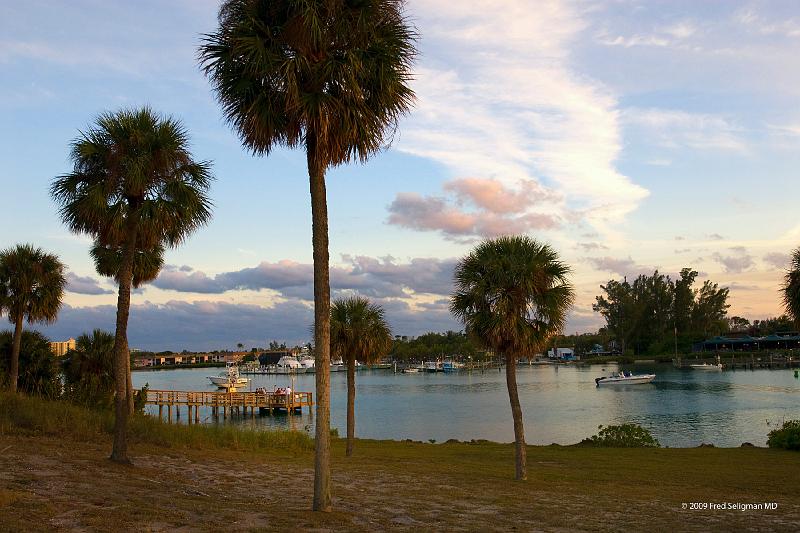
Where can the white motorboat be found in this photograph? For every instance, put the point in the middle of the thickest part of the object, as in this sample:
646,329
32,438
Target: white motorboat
410,370
289,365
230,378
337,365
625,378
308,364
706,366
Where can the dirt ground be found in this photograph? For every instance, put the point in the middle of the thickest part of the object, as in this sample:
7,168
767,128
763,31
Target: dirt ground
48,484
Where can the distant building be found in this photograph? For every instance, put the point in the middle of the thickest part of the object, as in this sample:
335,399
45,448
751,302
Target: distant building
60,348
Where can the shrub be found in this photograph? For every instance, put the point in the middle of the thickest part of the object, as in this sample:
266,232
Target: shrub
787,437
38,368
622,436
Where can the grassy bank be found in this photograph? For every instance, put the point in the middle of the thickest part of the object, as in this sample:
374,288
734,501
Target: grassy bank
199,478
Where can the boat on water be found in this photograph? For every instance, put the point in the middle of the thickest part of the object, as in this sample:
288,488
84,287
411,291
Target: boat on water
229,379
410,370
337,365
452,366
289,365
706,366
624,378
433,366
308,364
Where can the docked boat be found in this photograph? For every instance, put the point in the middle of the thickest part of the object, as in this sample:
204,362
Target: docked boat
308,364
289,365
230,378
410,370
706,366
625,378
337,365
452,366
433,366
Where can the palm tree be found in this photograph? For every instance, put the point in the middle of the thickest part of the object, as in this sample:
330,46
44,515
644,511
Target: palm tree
146,266
358,332
31,287
513,294
89,369
134,188
329,76
791,288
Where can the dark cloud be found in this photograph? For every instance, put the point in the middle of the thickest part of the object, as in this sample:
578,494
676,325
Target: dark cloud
736,263
777,260
84,285
219,325
623,267
368,276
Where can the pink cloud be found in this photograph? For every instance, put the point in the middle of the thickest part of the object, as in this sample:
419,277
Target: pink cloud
491,195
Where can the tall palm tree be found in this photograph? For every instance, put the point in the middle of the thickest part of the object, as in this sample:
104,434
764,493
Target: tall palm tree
513,294
89,369
358,332
146,266
134,187
332,77
31,287
791,288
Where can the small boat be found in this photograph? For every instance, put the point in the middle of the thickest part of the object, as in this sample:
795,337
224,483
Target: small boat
410,370
706,366
337,365
229,379
452,366
433,366
624,378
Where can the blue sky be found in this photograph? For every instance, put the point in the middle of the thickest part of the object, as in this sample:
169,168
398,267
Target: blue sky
629,135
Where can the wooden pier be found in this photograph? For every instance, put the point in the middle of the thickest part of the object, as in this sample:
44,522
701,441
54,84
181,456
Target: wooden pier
228,403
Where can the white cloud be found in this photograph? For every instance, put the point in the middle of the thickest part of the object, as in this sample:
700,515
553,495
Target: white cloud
672,128
498,98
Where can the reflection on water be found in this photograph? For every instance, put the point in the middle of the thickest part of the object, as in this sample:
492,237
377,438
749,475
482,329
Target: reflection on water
560,404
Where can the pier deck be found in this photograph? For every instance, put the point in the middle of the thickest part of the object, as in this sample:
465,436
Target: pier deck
745,362
226,402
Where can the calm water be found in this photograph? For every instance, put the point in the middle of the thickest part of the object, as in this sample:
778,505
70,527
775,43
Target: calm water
560,403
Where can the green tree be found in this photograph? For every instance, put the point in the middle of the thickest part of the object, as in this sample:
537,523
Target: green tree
134,187
332,77
38,372
512,294
790,289
31,287
89,370
359,332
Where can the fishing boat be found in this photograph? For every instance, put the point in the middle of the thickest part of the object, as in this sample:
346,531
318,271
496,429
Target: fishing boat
706,366
230,378
625,378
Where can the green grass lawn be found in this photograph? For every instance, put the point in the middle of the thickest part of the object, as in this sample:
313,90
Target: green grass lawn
55,468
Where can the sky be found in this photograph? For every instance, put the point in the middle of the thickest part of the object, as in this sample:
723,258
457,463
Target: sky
629,135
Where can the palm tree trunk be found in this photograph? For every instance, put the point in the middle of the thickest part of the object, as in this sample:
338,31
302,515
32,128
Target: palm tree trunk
322,326
119,452
351,401
15,347
129,383
521,456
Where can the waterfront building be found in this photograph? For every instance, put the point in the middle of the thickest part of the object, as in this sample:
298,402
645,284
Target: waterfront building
60,348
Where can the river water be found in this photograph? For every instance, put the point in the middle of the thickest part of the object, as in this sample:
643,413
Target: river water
560,403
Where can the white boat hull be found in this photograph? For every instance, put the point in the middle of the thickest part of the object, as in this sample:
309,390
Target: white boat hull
632,380
716,367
